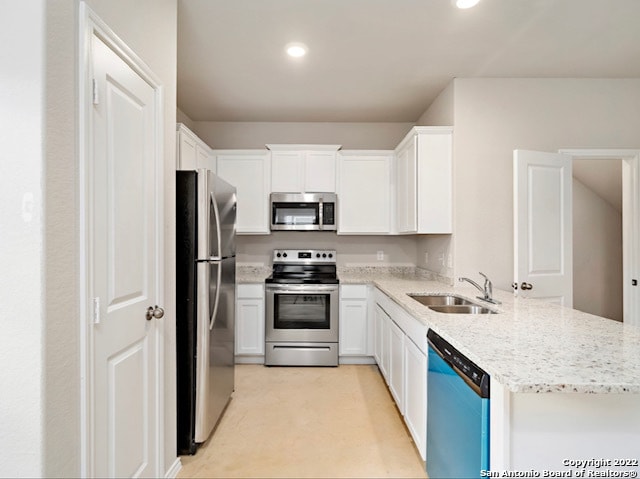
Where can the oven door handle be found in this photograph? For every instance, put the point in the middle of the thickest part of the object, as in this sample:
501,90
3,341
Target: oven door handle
296,289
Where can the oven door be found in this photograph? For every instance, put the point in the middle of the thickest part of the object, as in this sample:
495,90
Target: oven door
301,313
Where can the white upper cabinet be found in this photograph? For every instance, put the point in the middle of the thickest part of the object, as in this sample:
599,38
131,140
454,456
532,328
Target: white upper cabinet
250,172
303,168
364,191
424,181
192,152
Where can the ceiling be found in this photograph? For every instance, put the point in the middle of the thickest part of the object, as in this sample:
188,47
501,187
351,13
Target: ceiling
385,60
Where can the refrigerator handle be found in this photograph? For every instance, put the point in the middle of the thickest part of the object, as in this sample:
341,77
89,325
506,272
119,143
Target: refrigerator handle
213,317
216,214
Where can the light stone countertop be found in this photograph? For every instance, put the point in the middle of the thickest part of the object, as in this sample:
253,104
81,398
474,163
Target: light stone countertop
529,347
251,273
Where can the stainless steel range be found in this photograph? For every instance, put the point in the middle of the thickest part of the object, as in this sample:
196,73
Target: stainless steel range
302,309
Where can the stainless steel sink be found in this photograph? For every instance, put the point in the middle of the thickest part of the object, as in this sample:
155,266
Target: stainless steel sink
440,299
450,304
462,309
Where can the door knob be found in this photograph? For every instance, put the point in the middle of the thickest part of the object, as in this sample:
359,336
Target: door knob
154,312
526,286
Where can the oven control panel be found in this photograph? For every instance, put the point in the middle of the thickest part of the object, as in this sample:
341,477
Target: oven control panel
304,256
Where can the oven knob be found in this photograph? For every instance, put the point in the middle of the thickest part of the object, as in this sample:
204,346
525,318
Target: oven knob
317,255
324,255
278,255
284,255
330,255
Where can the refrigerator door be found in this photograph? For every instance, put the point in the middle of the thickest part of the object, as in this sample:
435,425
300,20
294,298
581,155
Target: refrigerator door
216,217
215,350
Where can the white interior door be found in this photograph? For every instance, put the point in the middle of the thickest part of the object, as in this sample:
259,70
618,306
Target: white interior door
124,230
543,263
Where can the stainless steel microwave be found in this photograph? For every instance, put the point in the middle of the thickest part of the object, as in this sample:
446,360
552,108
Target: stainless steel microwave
303,211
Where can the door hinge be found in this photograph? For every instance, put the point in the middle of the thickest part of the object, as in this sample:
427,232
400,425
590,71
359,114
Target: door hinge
95,97
96,310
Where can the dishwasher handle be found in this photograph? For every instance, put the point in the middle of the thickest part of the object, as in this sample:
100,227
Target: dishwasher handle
475,377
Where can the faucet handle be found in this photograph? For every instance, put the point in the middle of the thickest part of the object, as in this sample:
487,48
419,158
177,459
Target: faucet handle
488,286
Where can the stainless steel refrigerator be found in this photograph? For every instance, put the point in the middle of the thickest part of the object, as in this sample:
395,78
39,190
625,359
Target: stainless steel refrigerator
205,303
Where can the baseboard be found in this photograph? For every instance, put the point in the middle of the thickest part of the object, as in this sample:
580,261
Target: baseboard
173,471
357,360
257,359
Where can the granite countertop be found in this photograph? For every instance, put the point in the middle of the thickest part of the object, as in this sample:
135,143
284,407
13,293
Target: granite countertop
530,346
251,273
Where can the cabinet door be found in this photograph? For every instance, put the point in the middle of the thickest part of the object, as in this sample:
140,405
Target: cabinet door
287,171
364,194
396,365
250,320
204,158
320,172
250,326
434,153
353,327
383,342
378,318
415,414
250,174
406,199
187,157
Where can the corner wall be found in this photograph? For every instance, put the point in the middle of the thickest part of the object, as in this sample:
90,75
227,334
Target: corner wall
22,220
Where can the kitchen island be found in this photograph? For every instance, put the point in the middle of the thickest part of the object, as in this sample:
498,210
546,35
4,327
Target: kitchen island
565,385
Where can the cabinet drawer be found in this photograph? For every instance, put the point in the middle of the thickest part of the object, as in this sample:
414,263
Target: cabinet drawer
353,291
250,291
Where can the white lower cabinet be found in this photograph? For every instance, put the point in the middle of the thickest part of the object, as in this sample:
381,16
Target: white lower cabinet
396,365
400,352
355,345
382,350
415,387
250,323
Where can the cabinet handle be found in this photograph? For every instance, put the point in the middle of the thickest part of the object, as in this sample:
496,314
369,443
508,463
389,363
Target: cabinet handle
526,286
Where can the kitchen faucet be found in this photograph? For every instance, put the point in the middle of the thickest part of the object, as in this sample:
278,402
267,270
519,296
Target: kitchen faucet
487,291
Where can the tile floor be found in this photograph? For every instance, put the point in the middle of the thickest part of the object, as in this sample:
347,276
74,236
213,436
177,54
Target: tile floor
308,422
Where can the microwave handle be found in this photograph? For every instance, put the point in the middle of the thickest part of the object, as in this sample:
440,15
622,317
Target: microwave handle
320,214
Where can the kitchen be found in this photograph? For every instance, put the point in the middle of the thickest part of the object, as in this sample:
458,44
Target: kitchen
527,112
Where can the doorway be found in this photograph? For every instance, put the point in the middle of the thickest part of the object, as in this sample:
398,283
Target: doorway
615,175
597,237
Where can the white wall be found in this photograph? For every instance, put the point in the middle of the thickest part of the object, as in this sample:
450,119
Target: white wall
61,362
495,116
22,288
352,250
181,117
40,403
597,254
239,135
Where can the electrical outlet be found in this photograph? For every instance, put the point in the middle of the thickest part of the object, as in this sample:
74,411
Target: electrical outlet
441,259
380,255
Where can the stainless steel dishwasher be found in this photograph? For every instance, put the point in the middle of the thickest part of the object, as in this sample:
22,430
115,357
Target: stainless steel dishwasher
457,413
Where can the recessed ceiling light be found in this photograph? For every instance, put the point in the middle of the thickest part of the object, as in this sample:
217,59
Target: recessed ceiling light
296,49
466,3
